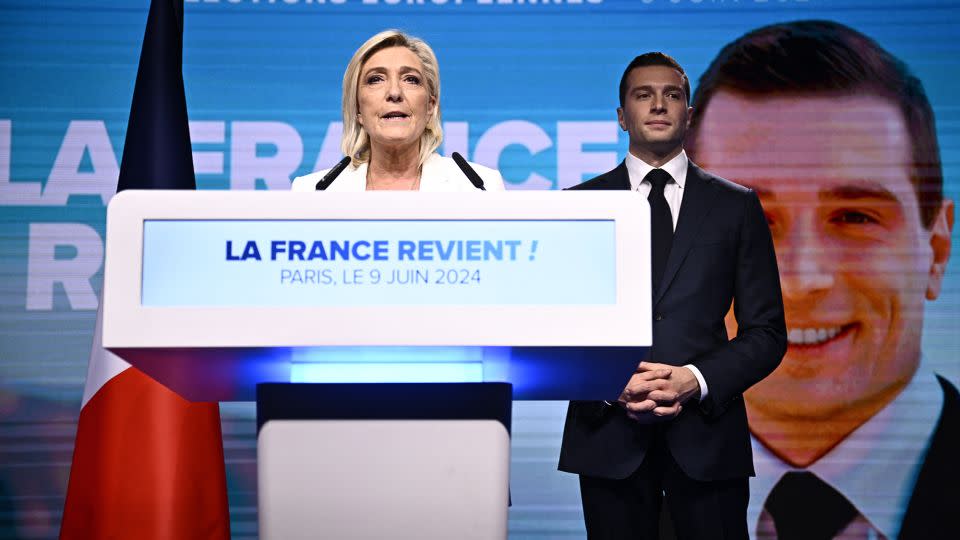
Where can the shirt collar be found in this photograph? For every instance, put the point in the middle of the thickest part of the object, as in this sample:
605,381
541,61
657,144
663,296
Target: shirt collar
876,466
638,169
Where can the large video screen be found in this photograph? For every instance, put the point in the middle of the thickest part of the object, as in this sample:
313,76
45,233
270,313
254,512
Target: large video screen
856,174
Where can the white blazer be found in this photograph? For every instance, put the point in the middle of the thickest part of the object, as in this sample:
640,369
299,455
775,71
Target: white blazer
439,174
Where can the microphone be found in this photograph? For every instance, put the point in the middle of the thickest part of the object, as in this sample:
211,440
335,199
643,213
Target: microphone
333,173
468,171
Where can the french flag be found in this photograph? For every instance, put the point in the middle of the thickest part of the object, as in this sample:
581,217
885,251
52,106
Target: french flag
147,463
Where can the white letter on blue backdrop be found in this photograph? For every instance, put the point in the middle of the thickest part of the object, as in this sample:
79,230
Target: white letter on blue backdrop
44,270
83,137
504,134
246,167
13,193
330,148
572,161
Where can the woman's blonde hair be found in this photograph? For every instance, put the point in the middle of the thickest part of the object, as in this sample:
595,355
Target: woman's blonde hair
355,142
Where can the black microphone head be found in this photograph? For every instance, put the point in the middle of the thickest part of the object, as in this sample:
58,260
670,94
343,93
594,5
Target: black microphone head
332,174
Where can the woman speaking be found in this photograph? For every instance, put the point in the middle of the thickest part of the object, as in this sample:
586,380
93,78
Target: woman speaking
391,125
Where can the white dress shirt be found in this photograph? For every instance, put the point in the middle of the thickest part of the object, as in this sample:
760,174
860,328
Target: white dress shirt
638,169
673,192
875,467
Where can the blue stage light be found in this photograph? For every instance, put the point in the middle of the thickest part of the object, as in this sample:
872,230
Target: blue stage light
384,372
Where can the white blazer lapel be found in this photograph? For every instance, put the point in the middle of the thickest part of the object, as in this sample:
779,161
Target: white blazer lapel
351,179
435,175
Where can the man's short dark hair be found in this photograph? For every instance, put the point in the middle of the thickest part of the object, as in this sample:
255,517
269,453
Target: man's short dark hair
828,58
653,59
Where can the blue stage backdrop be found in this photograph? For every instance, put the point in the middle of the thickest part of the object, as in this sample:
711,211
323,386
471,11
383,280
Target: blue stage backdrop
529,87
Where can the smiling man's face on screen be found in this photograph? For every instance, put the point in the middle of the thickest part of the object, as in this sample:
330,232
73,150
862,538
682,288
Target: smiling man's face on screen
856,261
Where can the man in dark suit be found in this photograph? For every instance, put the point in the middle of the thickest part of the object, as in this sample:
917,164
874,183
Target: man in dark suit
679,428
852,433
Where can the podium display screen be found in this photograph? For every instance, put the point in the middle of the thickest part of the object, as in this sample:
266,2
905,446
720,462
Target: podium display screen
281,263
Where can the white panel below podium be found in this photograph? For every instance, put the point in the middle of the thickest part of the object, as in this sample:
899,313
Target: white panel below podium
357,479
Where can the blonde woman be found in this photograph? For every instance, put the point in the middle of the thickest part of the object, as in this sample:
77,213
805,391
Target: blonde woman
391,125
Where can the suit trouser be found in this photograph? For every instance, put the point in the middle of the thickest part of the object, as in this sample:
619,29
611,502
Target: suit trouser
631,508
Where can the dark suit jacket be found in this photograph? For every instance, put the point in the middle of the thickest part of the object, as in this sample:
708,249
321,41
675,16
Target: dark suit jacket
722,251
932,511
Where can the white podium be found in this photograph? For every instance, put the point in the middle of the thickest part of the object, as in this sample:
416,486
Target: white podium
385,332
423,460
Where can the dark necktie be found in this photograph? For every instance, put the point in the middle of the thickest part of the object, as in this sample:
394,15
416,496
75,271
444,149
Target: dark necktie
661,223
804,507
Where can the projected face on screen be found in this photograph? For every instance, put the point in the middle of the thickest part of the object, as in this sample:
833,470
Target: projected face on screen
856,262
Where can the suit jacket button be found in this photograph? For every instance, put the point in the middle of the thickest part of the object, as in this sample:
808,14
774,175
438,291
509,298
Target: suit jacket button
658,317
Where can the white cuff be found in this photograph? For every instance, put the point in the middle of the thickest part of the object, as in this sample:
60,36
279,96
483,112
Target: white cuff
700,379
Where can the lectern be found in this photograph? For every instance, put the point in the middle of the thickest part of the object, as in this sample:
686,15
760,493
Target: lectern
383,335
